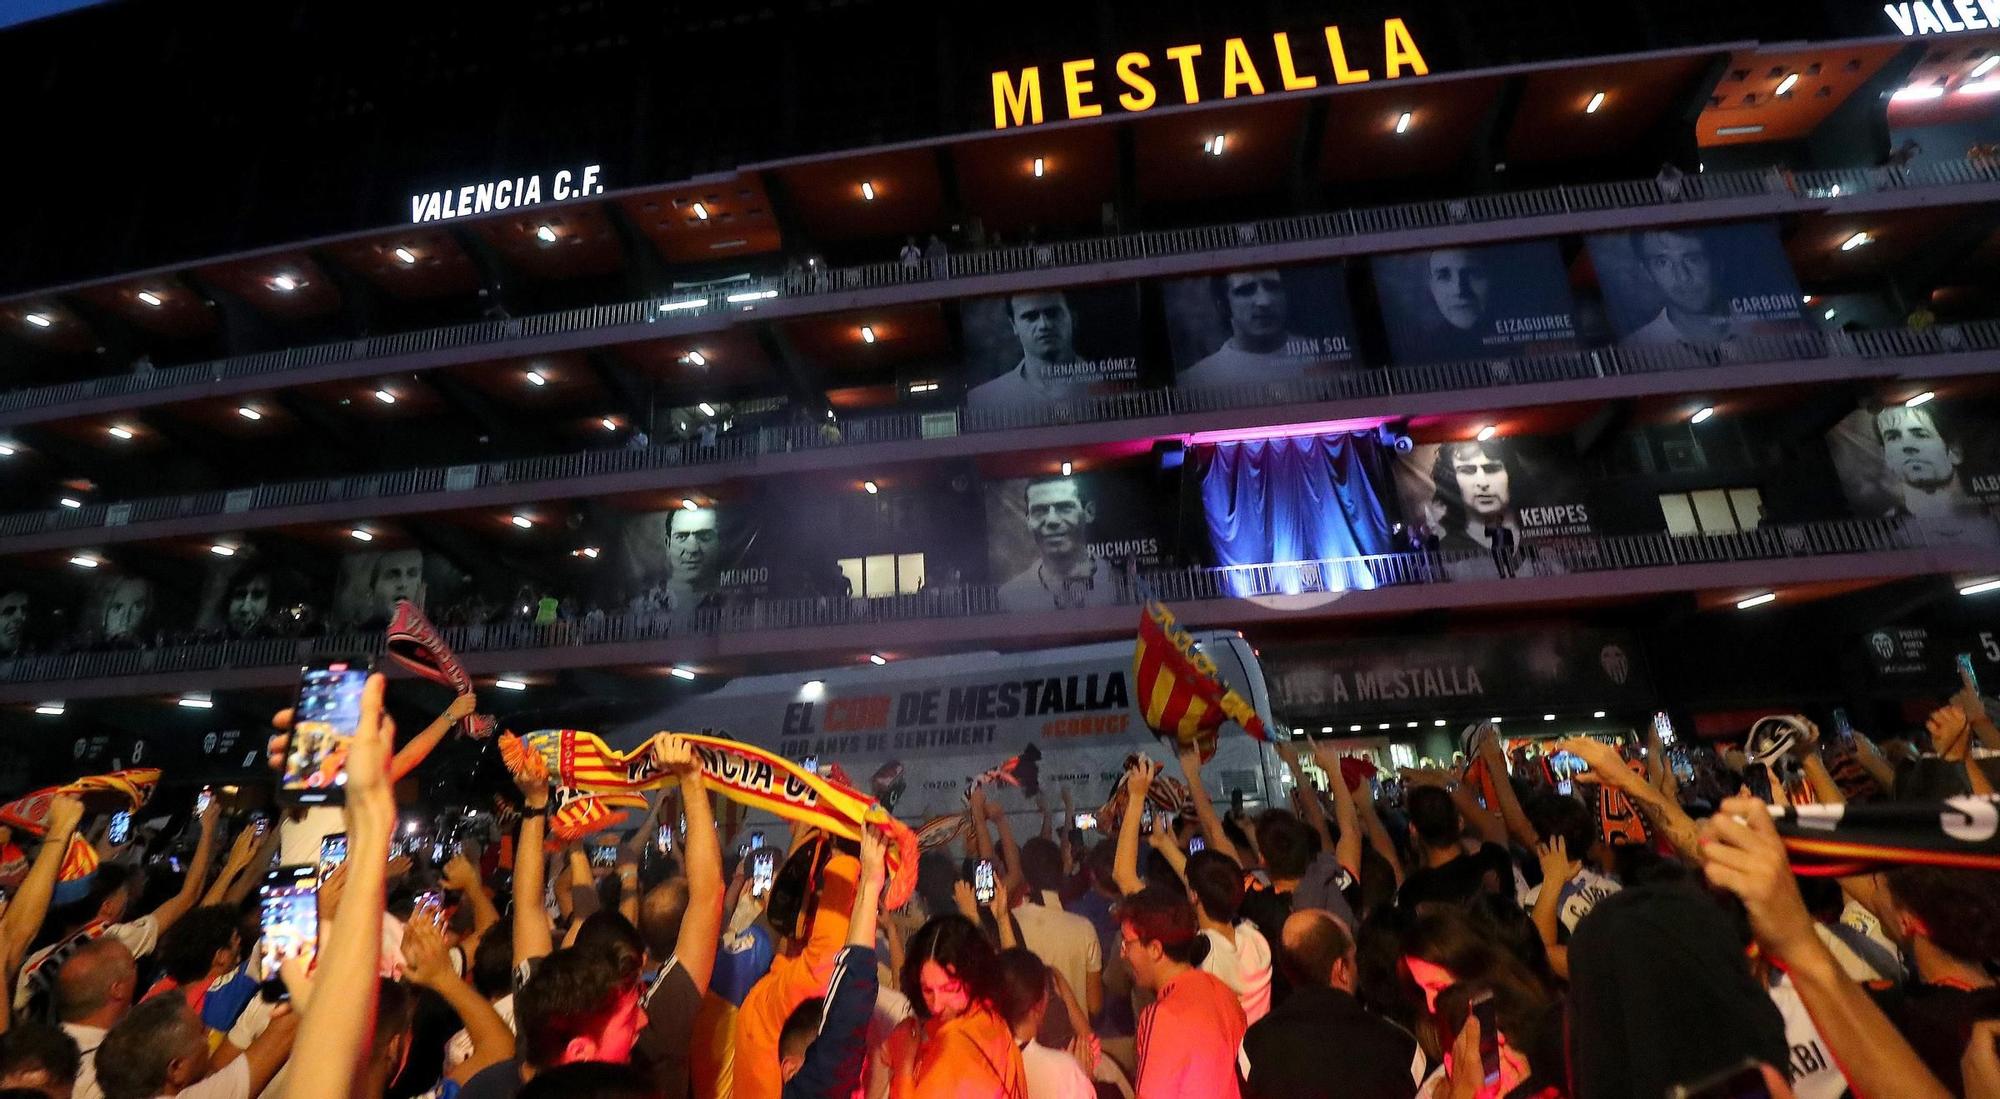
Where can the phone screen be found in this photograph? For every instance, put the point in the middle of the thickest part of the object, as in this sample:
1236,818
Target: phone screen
983,885
756,840
203,800
120,828
1842,726
763,867
325,717
1967,672
810,764
1489,1037
664,839
604,854
332,852
1086,820
1758,778
1197,844
1665,727
289,916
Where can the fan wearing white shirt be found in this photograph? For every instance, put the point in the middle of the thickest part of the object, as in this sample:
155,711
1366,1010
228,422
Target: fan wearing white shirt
1024,1001
1238,954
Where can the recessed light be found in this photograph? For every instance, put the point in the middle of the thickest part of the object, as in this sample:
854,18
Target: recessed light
50,709
522,521
1980,588
923,387
1736,131
1788,83
406,255
510,684
385,396
150,298
39,320
1215,145
1806,300
1439,723
1920,399
679,672
868,190
1984,67
71,502
1066,469
221,550
742,296
867,334
684,303
1382,726
1548,717
705,408
608,423
812,688
1979,87
1354,728
1756,601
195,702
360,535
1856,241
119,431
877,659
1831,313
82,562
285,282
1597,713
1492,721
1487,432
6,451
1701,415
248,413
1411,725
545,234
1596,101
1326,728
588,551
1921,91
689,505
696,358
1038,168
870,487
701,211
535,378
1403,122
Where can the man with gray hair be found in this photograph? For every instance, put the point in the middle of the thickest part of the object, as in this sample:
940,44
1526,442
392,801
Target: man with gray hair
94,990
160,1048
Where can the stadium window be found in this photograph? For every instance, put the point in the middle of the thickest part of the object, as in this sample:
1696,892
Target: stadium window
1712,511
881,575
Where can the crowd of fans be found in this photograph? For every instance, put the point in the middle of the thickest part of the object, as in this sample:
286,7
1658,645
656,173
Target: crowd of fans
1451,932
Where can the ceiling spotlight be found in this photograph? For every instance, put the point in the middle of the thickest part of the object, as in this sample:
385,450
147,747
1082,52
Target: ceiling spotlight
150,298
1492,721
1066,468
1788,83
1215,145
1548,717
286,283
360,535
6,451
923,387
118,431
684,303
406,255
1487,432
195,702
1439,723
1984,67
71,502
588,551
1382,726
870,487
867,334
1403,122
1411,725
705,408
385,396
1736,131
868,190
812,688
1979,87
1830,314
1596,101
679,672
1756,601
689,505
701,211
1919,91
545,234
50,709
877,659
1920,399
1039,169
1981,588
522,521
742,296
221,550
82,562
1701,415
1856,241
248,413
1597,713
39,320
1326,728
535,378
696,358
510,684
1806,300
1354,728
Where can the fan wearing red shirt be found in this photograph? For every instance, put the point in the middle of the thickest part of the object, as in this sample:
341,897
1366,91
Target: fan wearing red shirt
1189,1036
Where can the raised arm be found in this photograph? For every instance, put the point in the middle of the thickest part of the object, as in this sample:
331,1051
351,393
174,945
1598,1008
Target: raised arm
241,852
1511,814
701,927
1204,809
1557,871
1347,849
181,903
1378,836
428,963
531,921
1016,879
24,917
1125,868
1666,816
1806,749
1951,734
460,874
1308,795
420,745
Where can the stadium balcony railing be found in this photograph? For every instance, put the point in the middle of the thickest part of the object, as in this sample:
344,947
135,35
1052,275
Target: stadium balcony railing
1550,557
1359,383
1688,193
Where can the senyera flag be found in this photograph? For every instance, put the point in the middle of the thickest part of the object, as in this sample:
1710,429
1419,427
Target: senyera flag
1179,689
416,644
1843,839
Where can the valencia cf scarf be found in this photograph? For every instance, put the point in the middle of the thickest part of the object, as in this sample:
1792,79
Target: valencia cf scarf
415,644
1166,796
1618,820
743,773
129,789
1839,840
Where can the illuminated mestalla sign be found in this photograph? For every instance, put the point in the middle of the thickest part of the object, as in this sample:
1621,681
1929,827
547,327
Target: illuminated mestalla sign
1018,100
1914,17
504,194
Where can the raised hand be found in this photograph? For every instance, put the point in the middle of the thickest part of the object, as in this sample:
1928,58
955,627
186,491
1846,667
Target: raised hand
462,707
425,959
1557,867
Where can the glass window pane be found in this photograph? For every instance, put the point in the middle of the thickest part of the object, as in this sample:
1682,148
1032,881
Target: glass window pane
1680,517
881,573
909,573
1749,505
1711,508
850,567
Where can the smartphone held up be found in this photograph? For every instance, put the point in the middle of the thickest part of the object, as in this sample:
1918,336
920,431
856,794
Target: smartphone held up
325,718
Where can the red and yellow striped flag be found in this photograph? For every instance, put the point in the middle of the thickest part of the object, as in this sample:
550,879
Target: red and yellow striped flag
79,860
1179,690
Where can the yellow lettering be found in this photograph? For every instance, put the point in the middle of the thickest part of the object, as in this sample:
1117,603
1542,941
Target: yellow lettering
1129,65
1287,73
1341,73
1186,55
1017,105
1238,69
1075,88
1400,49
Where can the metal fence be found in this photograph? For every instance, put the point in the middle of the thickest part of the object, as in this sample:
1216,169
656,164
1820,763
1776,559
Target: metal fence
1980,337
1550,557
1816,186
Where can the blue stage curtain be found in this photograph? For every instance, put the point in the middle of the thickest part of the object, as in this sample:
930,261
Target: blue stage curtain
1303,499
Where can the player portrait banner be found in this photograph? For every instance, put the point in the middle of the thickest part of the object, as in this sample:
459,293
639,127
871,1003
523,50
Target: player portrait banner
1703,286
370,583
1036,346
1271,324
743,773
123,610
675,561
1180,691
1937,464
1058,542
1457,492
1483,302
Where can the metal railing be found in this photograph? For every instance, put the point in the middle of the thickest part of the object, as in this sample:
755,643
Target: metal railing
1813,186
1537,557
1980,337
